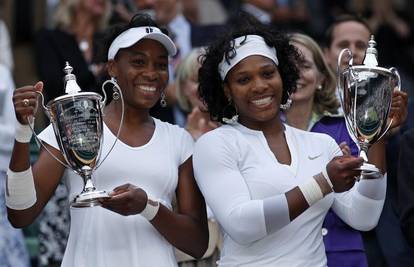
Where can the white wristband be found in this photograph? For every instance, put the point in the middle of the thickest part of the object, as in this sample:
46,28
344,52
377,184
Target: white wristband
20,189
151,209
326,176
311,191
23,133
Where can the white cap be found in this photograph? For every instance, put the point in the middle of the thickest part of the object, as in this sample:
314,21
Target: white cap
133,35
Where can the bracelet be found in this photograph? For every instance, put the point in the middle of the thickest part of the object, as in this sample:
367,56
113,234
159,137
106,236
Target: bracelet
311,191
23,132
20,189
151,209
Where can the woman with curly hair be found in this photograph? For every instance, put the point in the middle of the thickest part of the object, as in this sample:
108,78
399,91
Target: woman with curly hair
270,185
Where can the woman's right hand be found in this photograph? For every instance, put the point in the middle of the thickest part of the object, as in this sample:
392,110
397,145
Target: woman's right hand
342,172
25,101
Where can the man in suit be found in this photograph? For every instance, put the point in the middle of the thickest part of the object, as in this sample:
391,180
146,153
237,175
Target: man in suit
385,245
406,180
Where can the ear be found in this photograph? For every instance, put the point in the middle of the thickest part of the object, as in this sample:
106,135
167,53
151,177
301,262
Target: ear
112,68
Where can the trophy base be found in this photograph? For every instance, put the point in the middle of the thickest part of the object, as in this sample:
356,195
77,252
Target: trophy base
89,199
369,171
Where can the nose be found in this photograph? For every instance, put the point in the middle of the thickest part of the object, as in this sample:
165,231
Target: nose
259,85
150,73
358,55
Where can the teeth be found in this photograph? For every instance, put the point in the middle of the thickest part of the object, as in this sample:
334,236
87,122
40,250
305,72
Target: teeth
262,101
148,88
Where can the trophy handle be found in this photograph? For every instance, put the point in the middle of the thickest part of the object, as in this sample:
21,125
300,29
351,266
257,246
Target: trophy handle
40,143
340,87
119,91
339,70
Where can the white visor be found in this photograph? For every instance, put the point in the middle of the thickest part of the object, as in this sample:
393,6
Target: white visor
133,35
245,46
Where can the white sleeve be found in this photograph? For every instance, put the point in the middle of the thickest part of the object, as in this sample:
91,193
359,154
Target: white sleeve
361,207
217,173
186,146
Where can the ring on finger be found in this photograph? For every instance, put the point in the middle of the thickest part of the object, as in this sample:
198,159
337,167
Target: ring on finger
26,102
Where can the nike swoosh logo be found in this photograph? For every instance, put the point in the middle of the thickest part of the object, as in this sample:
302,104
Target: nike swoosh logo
314,157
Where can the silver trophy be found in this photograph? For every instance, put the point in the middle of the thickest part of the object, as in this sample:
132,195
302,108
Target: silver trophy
366,94
78,126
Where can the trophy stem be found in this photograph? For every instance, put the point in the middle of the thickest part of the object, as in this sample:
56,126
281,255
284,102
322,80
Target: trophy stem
87,178
364,151
89,197
368,170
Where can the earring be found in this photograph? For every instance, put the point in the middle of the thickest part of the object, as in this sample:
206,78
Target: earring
163,102
115,88
230,114
319,87
287,105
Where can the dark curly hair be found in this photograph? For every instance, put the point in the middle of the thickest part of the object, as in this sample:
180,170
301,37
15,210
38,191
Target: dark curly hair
211,89
138,20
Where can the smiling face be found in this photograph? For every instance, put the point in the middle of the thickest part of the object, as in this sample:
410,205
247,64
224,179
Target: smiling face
255,87
142,72
310,76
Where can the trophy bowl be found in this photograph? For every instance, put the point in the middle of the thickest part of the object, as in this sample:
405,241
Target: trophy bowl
77,120
366,95
77,123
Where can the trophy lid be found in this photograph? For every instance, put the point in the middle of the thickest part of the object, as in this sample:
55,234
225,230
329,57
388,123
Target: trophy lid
71,86
371,54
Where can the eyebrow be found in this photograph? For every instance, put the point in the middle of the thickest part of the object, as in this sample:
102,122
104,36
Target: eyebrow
139,53
260,67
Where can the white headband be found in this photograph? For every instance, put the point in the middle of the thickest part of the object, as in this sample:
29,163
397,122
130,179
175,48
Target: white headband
133,35
245,46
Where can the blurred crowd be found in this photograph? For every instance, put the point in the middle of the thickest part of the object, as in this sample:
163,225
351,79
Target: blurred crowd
71,32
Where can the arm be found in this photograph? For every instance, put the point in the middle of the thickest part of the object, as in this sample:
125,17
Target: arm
245,219
406,186
45,174
186,230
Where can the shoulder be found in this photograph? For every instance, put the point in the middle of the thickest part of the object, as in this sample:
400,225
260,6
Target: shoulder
221,133
172,131
311,140
168,127
308,136
222,138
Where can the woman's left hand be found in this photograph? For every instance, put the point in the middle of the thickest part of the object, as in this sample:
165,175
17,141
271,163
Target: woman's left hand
126,200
